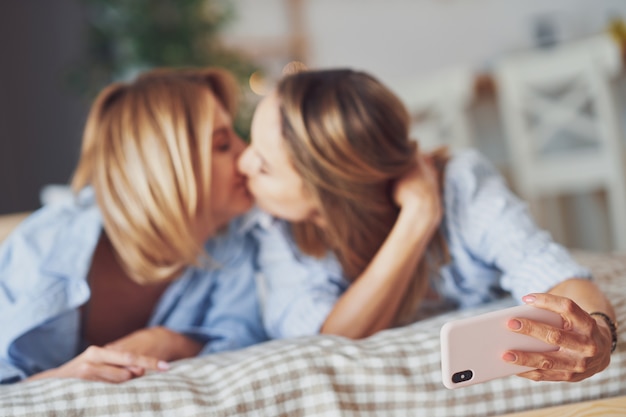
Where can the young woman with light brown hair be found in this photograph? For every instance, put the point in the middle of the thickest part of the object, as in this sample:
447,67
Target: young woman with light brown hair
146,264
376,233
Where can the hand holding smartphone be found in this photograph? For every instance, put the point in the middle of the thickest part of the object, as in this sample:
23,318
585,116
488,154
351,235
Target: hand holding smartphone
472,348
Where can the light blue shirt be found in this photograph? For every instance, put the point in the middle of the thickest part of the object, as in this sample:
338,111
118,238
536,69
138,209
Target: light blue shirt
43,281
495,249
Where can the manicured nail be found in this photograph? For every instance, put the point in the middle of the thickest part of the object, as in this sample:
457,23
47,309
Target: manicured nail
514,324
529,299
163,366
509,357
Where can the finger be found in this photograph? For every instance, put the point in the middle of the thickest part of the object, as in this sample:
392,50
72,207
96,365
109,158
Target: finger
573,316
547,333
131,360
125,359
539,375
546,361
136,371
93,371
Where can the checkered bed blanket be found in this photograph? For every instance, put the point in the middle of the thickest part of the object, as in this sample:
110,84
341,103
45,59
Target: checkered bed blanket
393,373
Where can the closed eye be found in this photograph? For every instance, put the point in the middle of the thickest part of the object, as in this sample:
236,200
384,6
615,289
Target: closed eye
222,140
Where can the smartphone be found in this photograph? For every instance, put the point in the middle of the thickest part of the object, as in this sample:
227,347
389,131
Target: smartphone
472,348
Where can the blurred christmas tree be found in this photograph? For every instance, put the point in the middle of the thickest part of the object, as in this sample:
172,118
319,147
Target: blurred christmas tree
125,37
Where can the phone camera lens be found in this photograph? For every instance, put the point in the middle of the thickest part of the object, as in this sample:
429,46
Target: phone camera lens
462,376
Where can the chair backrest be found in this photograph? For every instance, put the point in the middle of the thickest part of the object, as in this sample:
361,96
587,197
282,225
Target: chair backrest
561,123
438,106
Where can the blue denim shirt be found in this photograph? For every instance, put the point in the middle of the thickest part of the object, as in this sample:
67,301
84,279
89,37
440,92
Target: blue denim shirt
43,281
494,245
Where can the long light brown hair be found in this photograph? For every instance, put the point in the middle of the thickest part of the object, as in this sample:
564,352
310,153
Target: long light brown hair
147,154
347,135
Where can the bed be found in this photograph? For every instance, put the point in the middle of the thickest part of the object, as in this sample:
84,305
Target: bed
393,373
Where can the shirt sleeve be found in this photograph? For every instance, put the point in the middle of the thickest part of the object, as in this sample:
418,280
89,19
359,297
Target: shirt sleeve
218,306
9,373
233,320
299,291
497,228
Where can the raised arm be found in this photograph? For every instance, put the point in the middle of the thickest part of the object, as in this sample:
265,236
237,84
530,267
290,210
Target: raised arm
370,304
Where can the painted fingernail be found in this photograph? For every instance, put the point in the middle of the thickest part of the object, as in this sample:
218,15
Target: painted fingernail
514,324
163,366
529,299
509,357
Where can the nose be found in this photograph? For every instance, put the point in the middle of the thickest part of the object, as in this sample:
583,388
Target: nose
243,163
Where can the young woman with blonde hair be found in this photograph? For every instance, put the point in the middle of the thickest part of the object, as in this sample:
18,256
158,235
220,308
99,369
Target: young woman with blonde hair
146,264
376,233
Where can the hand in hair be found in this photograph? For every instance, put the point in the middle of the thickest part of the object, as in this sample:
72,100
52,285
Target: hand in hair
158,342
375,297
102,364
418,190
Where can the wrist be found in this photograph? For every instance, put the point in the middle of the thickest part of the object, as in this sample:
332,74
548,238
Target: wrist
605,321
419,218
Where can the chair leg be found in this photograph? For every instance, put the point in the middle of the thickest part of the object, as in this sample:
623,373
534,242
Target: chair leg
599,204
557,206
617,214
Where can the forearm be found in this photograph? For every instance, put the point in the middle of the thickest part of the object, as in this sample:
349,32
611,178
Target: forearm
160,342
40,375
372,301
185,347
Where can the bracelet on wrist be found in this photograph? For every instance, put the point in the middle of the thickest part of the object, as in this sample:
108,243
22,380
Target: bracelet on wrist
612,327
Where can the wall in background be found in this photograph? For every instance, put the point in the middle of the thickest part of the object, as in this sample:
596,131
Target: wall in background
395,39
40,120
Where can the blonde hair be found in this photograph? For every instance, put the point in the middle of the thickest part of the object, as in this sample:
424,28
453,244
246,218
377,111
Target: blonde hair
347,135
147,154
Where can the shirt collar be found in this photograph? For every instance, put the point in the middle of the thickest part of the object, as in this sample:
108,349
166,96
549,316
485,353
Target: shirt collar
255,217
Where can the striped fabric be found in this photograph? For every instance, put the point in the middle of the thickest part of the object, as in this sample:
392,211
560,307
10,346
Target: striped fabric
394,373
494,246
493,241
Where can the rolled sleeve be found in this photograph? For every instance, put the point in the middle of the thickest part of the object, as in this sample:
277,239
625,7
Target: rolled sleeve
233,320
217,306
10,374
215,340
299,313
218,309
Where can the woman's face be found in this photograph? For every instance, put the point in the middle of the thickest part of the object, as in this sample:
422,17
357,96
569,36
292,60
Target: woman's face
229,194
275,184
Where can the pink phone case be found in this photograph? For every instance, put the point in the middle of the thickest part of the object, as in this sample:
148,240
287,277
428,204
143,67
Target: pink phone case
472,348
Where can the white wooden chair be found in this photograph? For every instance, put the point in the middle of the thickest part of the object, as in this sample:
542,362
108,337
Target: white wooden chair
561,125
438,106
